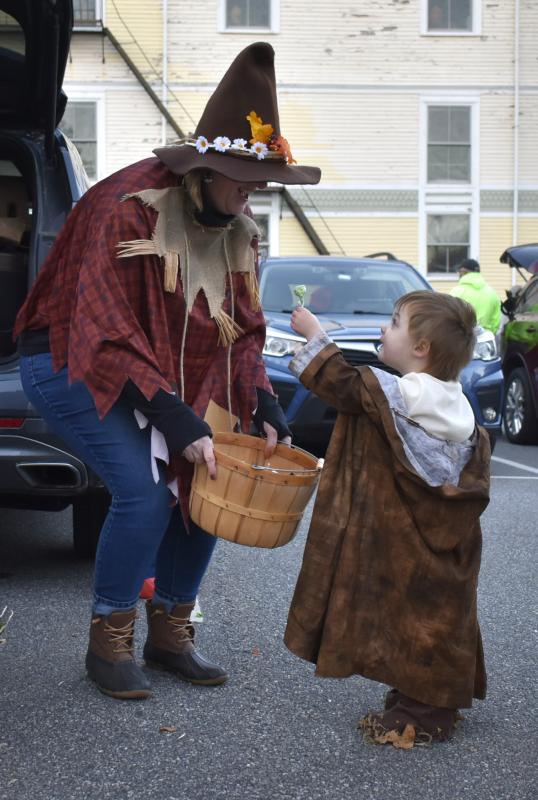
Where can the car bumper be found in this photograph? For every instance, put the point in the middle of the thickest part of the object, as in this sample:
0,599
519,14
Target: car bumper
35,463
483,385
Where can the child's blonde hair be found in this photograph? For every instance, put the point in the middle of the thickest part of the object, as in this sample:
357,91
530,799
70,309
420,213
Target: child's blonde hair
447,323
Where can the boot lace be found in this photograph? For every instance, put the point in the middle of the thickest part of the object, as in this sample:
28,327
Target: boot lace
182,627
121,638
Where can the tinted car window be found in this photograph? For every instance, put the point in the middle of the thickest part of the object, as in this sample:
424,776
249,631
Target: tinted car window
529,301
365,289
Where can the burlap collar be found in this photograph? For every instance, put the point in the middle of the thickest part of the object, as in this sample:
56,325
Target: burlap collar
203,256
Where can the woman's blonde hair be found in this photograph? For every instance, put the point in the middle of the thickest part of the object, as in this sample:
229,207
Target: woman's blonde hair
192,182
447,323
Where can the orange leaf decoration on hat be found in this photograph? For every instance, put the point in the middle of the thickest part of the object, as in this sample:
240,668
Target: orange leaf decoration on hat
260,132
281,146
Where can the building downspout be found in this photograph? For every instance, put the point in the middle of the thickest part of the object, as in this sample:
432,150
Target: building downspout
164,89
515,208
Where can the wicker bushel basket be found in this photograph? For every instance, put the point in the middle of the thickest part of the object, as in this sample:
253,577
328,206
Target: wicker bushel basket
252,502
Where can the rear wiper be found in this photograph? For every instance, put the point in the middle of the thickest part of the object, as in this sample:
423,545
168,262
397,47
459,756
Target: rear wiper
376,313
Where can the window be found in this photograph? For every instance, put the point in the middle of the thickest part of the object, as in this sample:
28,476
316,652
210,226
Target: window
266,210
246,15
448,241
263,221
449,144
79,123
337,288
86,13
450,15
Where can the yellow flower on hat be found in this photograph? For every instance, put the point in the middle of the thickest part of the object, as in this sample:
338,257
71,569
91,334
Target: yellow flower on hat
260,132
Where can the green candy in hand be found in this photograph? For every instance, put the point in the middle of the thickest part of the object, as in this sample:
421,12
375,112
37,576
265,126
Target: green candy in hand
299,292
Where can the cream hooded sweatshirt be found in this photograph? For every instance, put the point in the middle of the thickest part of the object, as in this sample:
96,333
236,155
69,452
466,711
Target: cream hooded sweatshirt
440,407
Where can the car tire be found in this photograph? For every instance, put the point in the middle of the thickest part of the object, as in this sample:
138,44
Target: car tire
520,422
89,513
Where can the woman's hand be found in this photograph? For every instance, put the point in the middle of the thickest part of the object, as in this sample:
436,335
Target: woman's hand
200,451
305,323
272,440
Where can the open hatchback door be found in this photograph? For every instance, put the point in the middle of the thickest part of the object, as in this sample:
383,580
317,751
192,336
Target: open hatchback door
34,46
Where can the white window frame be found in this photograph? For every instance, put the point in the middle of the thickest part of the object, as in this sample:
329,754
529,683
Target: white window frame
443,185
79,94
99,18
269,202
475,31
274,20
445,211
449,198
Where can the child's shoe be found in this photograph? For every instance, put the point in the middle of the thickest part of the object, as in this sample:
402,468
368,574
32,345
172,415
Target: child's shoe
392,697
407,722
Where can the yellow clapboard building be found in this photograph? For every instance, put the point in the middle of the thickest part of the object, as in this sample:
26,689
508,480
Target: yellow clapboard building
422,115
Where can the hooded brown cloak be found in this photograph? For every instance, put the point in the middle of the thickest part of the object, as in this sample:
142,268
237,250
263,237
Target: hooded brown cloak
388,583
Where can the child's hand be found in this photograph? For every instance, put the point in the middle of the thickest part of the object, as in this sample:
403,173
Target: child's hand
305,323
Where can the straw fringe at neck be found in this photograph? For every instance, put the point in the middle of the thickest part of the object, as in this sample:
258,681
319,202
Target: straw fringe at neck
206,256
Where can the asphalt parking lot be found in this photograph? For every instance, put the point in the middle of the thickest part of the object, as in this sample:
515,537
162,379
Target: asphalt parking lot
274,731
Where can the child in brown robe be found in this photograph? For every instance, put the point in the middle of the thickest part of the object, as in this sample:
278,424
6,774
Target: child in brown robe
388,583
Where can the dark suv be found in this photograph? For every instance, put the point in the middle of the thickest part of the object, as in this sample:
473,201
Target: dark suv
41,177
519,343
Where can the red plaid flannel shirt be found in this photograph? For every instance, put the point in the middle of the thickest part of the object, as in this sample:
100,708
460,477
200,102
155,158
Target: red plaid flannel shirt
109,319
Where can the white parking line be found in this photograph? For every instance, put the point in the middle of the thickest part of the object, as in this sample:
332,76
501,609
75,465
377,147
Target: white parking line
516,477
514,464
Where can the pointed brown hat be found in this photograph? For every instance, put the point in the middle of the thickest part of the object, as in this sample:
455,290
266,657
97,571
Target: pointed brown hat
238,134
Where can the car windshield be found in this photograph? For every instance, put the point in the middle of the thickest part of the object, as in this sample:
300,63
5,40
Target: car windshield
370,288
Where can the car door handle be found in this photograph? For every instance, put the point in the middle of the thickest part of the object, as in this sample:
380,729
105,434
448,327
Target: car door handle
531,329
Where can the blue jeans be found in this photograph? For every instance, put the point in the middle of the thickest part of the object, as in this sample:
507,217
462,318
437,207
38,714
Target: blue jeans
142,531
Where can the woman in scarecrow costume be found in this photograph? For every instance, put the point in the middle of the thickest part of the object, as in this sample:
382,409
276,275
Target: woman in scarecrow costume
147,308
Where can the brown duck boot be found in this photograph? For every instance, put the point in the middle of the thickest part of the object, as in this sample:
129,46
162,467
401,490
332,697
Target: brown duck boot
110,660
170,645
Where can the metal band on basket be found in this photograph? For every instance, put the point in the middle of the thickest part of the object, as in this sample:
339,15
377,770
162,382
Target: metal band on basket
253,513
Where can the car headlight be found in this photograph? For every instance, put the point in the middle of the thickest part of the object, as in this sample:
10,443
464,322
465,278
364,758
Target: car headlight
281,344
485,348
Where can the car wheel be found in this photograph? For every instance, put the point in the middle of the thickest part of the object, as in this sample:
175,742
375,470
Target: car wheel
89,513
520,422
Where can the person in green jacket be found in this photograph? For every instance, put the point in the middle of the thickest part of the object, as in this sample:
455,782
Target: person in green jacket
473,288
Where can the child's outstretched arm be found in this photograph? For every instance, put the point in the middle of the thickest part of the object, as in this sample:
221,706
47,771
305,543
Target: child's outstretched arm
321,367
